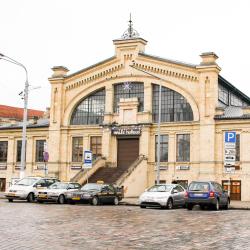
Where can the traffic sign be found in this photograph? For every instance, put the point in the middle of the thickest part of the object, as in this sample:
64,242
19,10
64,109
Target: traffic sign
230,151
87,163
230,137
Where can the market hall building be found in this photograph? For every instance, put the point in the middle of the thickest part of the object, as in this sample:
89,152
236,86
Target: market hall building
112,109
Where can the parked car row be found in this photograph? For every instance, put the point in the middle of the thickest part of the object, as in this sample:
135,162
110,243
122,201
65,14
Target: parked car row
52,190
202,193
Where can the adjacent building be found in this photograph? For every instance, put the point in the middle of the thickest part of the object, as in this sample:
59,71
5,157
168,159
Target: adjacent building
112,109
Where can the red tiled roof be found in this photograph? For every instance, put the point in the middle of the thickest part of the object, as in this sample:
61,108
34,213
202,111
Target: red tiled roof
17,113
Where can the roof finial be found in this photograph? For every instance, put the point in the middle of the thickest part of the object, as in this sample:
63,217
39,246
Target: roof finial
130,32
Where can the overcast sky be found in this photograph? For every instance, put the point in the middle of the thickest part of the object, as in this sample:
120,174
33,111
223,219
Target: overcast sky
76,34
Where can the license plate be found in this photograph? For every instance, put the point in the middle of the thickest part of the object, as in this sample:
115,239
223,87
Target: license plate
198,195
11,194
42,195
76,198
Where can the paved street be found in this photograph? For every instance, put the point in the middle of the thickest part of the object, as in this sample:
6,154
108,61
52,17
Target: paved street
52,226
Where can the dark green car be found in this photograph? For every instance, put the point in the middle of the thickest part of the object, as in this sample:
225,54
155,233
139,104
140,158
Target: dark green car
96,194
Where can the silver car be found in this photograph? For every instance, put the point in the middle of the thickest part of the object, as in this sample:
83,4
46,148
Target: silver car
56,192
163,195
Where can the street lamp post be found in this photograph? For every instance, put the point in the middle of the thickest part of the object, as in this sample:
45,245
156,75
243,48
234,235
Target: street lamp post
25,113
158,125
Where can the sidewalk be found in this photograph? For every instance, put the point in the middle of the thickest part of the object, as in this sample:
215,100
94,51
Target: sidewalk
240,205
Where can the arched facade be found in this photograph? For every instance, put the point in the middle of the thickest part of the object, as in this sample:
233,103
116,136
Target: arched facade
111,108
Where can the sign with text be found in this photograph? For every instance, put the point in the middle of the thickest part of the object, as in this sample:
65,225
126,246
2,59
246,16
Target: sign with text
126,130
87,163
230,151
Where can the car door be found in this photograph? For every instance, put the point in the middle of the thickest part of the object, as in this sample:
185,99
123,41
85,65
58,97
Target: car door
181,192
176,196
223,194
103,196
111,194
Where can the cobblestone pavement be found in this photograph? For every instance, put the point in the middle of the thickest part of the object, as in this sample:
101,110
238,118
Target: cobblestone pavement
52,226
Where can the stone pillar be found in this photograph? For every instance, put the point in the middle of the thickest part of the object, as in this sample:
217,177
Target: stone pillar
208,81
10,160
171,155
148,96
109,104
56,115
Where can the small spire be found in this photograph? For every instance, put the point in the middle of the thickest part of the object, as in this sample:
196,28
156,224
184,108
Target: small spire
130,32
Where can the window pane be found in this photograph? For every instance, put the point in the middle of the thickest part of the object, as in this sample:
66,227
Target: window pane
39,150
174,107
183,148
77,149
136,89
163,148
19,149
90,110
96,146
3,151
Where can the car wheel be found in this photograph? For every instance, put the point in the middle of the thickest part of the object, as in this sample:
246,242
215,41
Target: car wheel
227,205
142,206
31,197
10,200
116,201
189,206
95,201
216,205
61,199
170,204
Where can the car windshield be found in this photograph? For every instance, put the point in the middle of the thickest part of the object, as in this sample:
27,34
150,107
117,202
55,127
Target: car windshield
26,181
91,186
59,185
160,188
199,186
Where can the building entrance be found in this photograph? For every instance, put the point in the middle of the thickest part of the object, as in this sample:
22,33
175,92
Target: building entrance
235,189
2,184
127,151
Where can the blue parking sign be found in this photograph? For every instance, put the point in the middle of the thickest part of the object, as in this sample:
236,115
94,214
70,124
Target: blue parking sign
87,163
230,136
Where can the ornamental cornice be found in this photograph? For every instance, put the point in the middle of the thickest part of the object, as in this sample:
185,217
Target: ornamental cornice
85,80
167,72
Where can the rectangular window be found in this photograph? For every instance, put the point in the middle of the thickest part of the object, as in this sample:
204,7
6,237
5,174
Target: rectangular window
77,149
183,148
163,148
18,151
96,146
3,151
39,150
237,146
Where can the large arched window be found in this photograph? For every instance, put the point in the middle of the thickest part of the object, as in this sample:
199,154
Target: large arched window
90,110
174,107
129,90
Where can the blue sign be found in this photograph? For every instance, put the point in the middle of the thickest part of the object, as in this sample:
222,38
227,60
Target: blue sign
230,137
87,159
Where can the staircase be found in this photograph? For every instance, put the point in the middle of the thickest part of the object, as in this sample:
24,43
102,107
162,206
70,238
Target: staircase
114,174
83,174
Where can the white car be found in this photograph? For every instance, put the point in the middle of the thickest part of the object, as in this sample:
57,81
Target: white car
163,195
57,192
26,188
